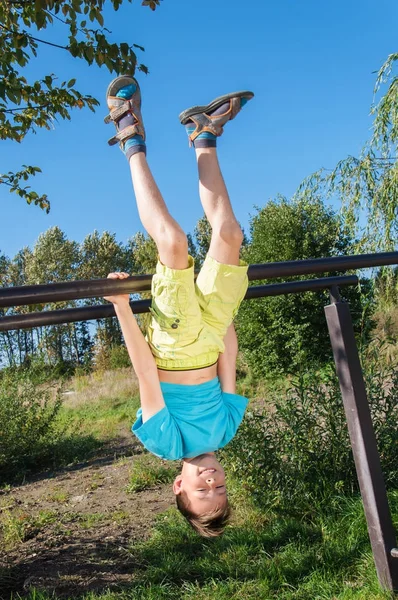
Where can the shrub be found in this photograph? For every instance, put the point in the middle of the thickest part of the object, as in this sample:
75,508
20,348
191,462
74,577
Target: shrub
113,357
297,451
27,420
279,334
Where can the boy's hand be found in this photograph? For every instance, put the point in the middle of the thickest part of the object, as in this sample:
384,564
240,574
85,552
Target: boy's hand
120,298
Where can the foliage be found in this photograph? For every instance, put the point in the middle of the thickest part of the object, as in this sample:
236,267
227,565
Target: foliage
26,106
202,236
296,451
113,357
143,252
27,421
149,472
279,334
367,186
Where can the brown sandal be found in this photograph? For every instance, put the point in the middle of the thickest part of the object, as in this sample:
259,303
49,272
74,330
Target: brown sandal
120,107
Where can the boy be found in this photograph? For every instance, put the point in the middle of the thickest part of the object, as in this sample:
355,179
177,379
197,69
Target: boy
186,365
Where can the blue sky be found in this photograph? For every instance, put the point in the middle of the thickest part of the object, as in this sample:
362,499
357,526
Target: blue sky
310,64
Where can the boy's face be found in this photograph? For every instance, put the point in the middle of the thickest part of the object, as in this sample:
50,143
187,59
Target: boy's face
202,479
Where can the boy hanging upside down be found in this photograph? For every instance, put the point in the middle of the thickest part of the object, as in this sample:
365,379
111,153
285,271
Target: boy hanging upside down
186,365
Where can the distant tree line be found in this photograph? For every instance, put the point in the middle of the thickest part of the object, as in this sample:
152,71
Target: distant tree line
276,334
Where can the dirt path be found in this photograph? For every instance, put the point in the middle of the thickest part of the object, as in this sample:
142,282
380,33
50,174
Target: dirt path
78,524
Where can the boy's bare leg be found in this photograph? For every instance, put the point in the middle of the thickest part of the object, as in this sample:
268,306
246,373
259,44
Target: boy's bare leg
169,238
227,235
124,102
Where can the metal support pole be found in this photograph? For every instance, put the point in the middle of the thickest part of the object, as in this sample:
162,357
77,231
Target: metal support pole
363,441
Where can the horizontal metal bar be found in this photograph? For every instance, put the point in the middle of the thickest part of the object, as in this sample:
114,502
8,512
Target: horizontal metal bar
90,313
72,290
297,287
95,288
292,268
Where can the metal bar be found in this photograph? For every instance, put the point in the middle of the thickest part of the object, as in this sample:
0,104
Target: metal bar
95,288
363,441
88,313
292,268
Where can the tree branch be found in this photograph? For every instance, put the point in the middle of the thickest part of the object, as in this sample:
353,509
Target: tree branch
12,110
33,38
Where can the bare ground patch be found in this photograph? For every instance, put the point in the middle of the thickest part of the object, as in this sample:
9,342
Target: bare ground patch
76,525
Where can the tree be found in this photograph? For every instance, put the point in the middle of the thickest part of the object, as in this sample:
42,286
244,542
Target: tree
367,186
26,106
54,258
280,334
98,256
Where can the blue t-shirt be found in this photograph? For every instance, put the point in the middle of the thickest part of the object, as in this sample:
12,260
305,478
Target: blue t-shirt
196,419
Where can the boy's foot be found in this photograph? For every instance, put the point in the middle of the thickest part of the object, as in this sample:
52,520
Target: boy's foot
123,98
205,123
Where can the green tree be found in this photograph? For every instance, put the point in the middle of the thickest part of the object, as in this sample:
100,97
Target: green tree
28,105
101,254
143,252
367,185
19,344
54,258
98,256
281,334
6,339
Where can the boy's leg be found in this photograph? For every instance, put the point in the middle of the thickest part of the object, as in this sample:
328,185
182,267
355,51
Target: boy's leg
124,102
169,238
204,124
227,236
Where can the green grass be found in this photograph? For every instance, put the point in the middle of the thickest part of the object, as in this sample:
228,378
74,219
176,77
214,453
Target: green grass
149,471
262,556
101,419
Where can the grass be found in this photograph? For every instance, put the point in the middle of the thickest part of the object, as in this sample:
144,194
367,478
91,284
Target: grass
100,404
262,556
321,555
17,526
150,471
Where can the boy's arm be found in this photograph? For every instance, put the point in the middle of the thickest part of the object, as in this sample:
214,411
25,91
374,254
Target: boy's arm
144,364
227,362
143,361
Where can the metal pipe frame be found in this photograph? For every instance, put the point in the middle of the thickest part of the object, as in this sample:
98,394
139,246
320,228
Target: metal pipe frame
88,313
363,441
95,288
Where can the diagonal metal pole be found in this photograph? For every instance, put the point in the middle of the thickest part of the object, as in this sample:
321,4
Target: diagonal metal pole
363,441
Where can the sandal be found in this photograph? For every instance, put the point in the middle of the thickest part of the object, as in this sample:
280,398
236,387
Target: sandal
120,107
204,121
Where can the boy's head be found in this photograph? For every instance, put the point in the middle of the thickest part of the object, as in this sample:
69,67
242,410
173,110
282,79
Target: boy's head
201,494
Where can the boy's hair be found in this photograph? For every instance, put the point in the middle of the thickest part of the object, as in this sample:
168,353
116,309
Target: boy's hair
208,525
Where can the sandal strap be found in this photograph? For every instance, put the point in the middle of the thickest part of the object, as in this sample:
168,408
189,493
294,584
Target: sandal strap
119,108
118,113
203,123
127,133
214,123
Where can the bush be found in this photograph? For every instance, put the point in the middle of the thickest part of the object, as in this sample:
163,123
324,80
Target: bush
279,334
27,422
114,357
297,451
